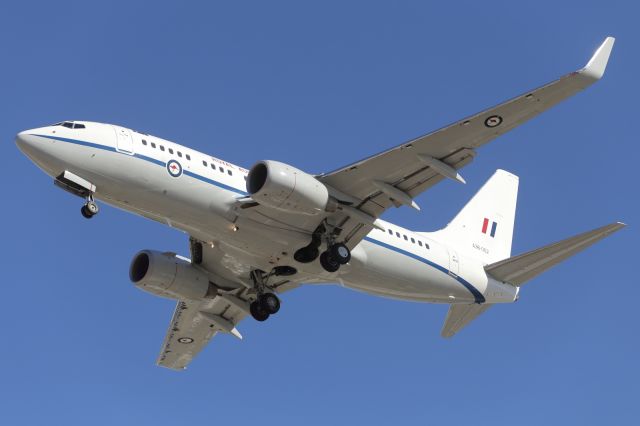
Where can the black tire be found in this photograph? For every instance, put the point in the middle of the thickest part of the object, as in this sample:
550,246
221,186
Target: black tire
328,262
86,213
270,303
258,311
340,253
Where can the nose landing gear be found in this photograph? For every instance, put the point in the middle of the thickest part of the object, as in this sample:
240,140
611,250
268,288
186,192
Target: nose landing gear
90,208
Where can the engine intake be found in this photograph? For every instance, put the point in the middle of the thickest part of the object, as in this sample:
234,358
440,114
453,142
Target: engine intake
166,275
283,187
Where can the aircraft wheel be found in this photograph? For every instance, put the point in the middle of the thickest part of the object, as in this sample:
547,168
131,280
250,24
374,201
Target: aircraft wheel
328,262
270,303
92,208
258,312
340,253
86,213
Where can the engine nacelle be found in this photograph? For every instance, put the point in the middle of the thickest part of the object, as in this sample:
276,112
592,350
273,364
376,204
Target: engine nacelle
283,187
166,275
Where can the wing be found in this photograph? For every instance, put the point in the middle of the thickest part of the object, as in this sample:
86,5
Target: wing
194,323
396,176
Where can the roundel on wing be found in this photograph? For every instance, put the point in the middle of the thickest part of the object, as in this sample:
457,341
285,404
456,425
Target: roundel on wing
493,121
174,168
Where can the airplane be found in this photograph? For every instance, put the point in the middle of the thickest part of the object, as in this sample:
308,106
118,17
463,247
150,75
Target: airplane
257,233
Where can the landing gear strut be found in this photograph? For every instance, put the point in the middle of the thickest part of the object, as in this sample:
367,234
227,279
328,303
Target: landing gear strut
90,208
266,303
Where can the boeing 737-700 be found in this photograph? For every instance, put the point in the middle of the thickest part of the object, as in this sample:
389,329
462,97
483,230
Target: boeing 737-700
256,233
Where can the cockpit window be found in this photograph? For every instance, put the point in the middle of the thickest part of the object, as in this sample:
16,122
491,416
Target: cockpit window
70,125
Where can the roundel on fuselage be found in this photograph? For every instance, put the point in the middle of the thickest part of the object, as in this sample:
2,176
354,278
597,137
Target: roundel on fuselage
174,168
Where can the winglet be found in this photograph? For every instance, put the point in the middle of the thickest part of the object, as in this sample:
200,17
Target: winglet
598,62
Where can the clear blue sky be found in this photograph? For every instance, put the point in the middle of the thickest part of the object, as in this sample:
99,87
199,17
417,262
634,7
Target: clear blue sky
318,86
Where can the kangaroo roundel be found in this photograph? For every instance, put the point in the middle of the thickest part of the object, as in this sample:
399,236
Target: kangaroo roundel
174,168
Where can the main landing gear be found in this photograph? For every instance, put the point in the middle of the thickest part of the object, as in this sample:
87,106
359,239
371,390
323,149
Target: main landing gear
90,208
266,303
336,255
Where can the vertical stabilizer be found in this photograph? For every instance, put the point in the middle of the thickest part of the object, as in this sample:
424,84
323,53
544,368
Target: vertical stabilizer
484,227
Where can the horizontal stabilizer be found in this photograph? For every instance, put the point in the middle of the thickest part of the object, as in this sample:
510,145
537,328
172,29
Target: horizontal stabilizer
519,269
461,315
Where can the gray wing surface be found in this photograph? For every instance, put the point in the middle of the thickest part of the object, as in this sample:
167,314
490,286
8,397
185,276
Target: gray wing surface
415,166
459,316
195,323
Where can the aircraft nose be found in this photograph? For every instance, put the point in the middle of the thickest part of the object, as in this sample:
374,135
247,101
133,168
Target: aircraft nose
24,140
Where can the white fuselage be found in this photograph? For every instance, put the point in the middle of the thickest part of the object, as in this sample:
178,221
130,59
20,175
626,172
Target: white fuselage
197,194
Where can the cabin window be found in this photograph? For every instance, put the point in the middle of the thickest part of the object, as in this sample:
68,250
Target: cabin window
204,163
161,147
144,142
420,243
170,150
179,154
229,172
213,166
405,238
390,232
153,144
397,234
188,157
413,241
426,246
221,169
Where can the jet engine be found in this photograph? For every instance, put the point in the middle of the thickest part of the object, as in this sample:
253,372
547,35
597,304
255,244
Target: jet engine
283,187
167,275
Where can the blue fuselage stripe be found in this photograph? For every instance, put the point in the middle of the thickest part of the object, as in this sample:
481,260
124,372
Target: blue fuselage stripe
213,182
145,158
479,298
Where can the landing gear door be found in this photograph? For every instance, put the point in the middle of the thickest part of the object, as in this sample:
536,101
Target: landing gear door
124,140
